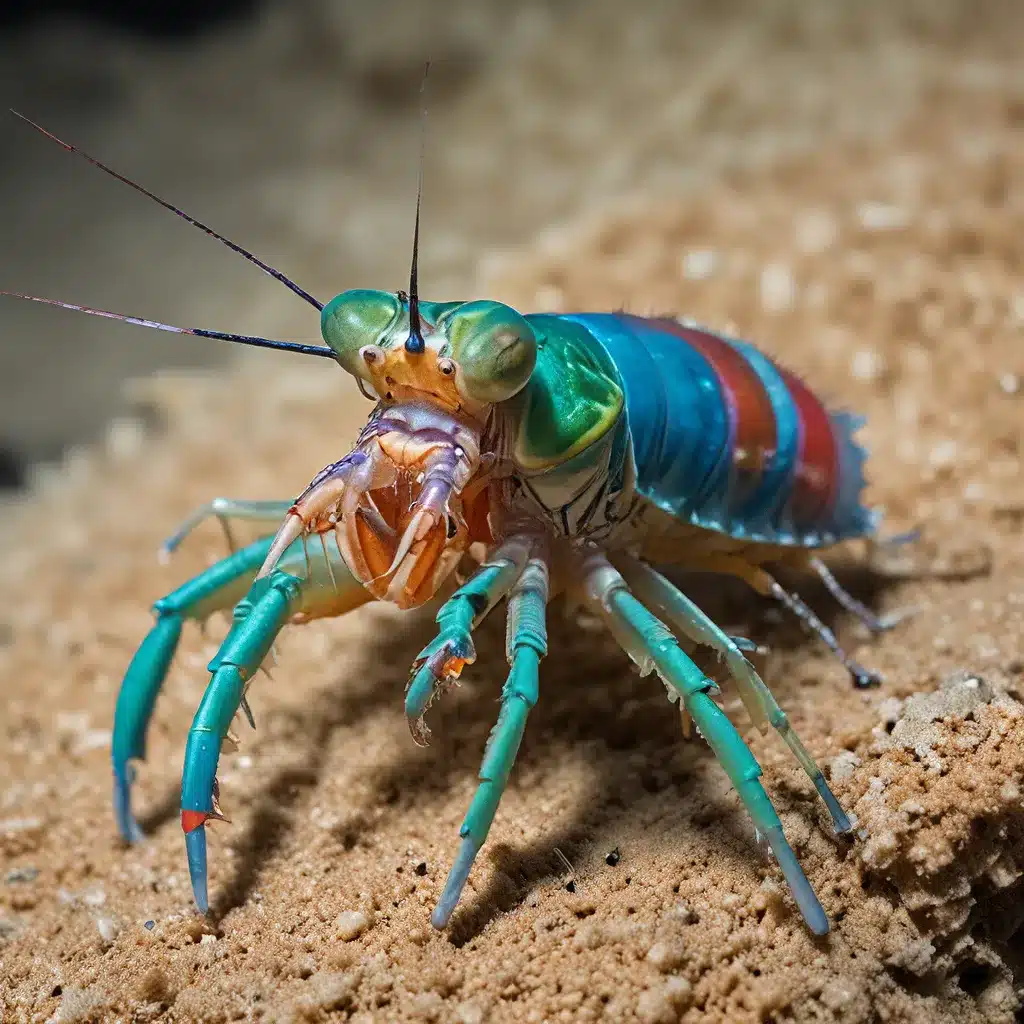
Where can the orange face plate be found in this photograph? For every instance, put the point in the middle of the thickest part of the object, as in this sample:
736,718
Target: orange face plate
403,376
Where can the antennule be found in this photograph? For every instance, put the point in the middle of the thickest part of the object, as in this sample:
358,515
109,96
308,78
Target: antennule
265,267
415,343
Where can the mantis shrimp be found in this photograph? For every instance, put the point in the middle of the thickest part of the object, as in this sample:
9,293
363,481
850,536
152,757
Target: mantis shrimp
559,454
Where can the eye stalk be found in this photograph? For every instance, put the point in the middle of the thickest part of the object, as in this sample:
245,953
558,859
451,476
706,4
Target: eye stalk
353,324
494,348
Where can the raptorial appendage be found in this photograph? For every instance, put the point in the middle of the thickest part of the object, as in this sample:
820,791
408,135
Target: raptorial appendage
404,505
392,518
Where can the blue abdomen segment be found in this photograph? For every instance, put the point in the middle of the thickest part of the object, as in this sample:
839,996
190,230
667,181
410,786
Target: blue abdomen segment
676,412
726,440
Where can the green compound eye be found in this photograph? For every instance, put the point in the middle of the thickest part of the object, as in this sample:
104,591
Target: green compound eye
357,318
494,347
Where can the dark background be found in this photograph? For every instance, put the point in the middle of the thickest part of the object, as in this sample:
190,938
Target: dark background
178,21
168,20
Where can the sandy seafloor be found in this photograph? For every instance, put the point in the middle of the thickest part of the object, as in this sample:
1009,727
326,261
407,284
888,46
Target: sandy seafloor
844,187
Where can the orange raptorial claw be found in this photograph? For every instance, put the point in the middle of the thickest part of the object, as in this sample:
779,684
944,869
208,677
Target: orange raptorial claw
426,560
394,505
419,526
388,501
373,543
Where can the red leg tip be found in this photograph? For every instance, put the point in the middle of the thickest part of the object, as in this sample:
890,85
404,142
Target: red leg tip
191,820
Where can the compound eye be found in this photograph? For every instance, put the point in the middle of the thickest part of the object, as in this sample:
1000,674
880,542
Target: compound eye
354,323
495,349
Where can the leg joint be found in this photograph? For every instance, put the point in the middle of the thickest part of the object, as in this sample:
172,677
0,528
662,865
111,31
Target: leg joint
527,638
167,608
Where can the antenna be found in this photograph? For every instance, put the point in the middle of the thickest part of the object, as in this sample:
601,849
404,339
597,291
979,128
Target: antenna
415,343
266,268
242,339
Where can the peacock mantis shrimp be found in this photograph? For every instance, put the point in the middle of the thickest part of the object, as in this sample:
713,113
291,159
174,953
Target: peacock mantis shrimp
562,454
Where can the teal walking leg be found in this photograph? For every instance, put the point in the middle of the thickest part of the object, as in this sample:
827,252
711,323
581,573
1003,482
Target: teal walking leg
646,639
526,645
679,611
224,510
257,620
271,602
444,657
218,588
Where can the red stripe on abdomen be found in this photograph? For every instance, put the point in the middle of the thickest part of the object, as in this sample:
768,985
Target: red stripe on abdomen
816,480
754,435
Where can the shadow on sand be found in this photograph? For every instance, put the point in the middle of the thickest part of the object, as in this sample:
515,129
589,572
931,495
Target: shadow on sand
610,712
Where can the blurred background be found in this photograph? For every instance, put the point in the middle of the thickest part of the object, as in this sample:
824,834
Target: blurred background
291,127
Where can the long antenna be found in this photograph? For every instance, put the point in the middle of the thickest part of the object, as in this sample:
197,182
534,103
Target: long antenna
266,268
242,339
415,343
